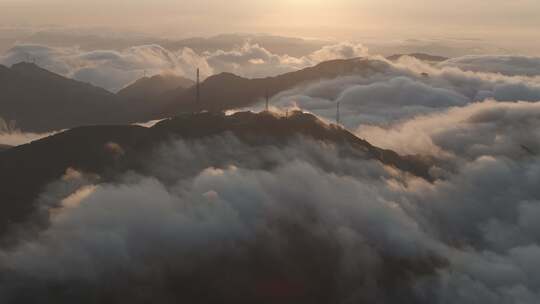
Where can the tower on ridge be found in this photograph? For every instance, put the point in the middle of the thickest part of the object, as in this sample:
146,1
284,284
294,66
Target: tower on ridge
338,118
198,97
266,105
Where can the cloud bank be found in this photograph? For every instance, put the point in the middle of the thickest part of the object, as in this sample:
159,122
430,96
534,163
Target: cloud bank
509,129
284,222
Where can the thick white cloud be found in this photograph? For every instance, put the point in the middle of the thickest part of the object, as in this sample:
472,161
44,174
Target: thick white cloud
490,128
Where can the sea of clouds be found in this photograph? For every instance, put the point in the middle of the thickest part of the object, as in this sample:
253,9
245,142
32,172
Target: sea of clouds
303,221
215,221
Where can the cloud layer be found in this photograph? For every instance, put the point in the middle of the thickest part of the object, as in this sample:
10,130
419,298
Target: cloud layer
215,221
510,129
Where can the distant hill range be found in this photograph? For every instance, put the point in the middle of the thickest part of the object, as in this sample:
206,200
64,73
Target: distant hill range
4,147
145,97
41,101
419,56
150,87
112,150
228,91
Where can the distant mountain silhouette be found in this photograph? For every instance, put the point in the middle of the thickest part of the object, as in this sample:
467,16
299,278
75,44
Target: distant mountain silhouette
419,56
111,150
4,147
41,101
145,95
151,87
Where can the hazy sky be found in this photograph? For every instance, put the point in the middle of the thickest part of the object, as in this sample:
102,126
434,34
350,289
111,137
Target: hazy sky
344,19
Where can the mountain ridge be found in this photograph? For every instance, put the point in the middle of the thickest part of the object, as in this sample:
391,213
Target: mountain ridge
41,101
108,151
147,87
227,91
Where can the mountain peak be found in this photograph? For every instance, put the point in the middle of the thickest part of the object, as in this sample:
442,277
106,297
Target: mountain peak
223,76
181,81
23,65
34,71
41,101
148,87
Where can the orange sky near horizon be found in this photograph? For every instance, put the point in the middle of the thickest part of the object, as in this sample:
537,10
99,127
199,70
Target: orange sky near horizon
342,19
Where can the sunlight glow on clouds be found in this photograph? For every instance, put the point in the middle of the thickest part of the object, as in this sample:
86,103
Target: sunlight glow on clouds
346,19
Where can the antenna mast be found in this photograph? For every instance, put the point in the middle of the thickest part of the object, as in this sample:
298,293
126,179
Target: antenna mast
338,118
198,86
266,106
